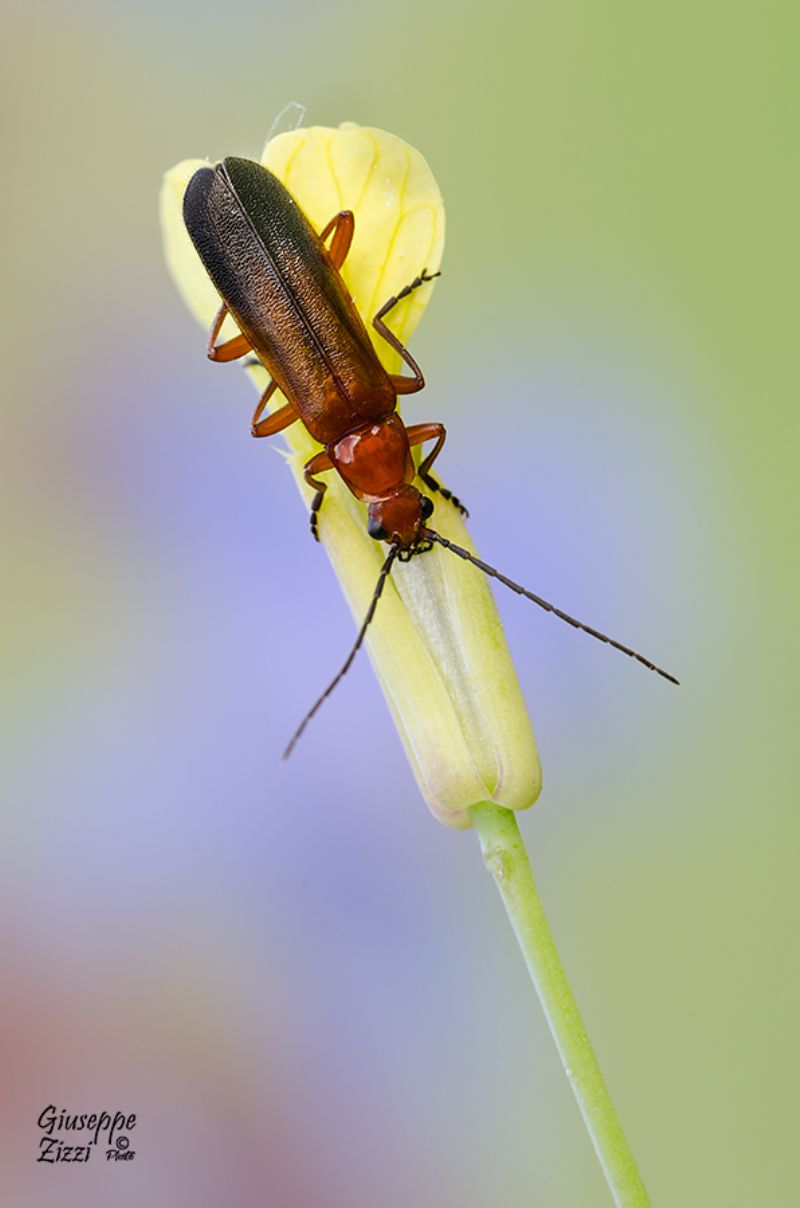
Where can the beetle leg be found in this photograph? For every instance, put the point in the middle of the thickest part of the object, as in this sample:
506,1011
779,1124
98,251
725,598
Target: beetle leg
276,422
403,385
318,465
342,226
232,349
418,433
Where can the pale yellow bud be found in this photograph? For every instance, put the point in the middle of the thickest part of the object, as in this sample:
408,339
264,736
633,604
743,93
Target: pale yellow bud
437,643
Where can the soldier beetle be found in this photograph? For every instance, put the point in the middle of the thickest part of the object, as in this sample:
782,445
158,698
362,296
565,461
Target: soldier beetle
281,284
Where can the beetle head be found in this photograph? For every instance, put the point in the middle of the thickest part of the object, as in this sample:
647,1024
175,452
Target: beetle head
399,517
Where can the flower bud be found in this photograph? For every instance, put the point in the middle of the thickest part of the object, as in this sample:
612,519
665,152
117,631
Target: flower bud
436,643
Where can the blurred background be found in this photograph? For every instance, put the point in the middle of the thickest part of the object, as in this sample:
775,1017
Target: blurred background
303,985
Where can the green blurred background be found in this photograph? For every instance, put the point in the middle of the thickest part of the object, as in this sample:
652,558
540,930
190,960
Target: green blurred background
304,986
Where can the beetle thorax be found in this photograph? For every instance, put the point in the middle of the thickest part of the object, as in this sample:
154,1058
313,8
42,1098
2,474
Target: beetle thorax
374,459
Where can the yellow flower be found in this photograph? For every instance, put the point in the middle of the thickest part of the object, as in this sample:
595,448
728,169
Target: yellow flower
436,643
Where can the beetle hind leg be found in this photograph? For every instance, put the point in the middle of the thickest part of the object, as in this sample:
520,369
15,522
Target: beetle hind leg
275,422
342,225
403,385
231,349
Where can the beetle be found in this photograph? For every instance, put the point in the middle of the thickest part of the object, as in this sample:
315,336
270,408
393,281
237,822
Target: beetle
281,285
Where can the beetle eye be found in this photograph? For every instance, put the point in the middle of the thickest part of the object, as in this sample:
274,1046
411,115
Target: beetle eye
427,507
377,530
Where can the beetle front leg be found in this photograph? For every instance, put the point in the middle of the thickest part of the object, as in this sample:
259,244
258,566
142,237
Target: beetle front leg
418,433
318,465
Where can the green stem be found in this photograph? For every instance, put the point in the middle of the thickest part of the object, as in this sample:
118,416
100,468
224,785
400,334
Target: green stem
506,859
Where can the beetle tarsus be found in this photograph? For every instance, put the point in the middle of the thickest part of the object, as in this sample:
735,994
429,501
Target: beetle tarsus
316,504
422,279
431,482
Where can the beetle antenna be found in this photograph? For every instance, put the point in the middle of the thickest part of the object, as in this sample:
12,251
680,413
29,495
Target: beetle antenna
376,595
563,616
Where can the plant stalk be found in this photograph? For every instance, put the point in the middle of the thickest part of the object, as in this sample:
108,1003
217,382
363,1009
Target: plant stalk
506,859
